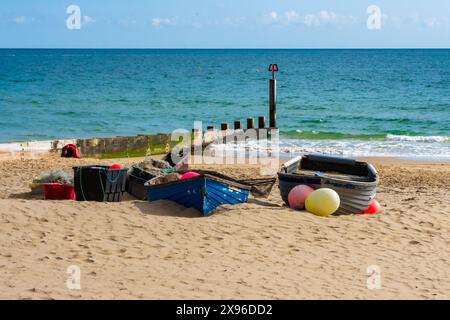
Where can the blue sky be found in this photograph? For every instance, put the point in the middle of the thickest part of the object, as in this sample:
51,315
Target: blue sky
225,24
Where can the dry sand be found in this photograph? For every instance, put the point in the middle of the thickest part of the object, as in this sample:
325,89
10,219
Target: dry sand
258,250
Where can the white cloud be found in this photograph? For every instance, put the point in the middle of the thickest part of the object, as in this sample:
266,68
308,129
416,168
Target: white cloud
288,17
327,16
416,20
271,18
20,19
434,22
323,17
159,22
311,20
431,23
87,20
273,15
291,16
330,18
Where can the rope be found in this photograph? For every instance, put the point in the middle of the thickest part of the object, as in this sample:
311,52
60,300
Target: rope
114,180
101,183
81,184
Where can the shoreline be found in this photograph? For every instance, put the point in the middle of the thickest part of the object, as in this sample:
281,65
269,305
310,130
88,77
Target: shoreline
7,156
399,161
34,149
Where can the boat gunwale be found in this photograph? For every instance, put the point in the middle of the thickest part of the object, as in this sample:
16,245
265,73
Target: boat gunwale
341,181
287,174
202,176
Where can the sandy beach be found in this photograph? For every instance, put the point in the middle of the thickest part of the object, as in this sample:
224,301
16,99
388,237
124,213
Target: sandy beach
258,250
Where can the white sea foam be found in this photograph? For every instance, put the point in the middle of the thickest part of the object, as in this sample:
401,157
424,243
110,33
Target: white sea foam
410,149
32,146
393,137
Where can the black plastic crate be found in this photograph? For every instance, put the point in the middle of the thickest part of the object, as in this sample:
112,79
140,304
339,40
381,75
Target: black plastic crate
98,183
139,173
136,187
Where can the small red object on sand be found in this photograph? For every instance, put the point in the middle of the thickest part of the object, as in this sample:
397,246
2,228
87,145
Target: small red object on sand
70,151
374,207
58,191
115,166
189,175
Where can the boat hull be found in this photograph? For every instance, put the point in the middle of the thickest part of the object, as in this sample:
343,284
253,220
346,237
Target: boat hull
204,193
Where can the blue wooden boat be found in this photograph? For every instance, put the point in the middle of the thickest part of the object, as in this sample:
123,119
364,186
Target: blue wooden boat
204,193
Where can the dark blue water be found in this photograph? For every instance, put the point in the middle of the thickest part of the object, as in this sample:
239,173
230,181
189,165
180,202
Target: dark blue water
330,95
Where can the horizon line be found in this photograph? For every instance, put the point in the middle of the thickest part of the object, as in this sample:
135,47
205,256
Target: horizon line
218,48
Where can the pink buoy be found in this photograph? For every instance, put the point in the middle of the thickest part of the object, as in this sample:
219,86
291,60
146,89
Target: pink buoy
373,208
298,195
189,175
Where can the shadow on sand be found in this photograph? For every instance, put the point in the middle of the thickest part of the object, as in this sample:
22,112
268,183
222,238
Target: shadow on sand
167,208
26,196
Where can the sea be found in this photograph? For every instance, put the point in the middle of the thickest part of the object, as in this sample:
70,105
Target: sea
343,102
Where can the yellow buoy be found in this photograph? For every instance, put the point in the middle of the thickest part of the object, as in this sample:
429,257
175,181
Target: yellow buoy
323,202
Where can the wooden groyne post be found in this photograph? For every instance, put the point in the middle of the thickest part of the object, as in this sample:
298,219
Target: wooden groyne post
273,97
261,122
250,123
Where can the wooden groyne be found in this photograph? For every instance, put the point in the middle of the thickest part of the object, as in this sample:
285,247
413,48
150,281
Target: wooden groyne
140,145
148,145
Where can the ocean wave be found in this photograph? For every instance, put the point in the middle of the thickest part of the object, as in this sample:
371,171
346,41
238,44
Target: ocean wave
320,135
393,137
287,147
